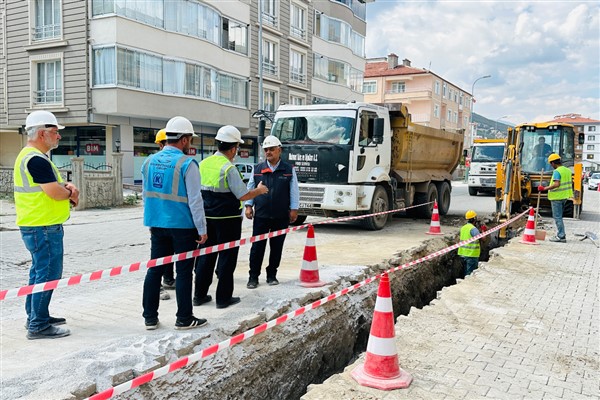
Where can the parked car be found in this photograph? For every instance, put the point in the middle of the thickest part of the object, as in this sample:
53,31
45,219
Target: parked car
245,170
593,181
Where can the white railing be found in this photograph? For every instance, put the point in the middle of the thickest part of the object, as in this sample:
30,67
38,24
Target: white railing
44,32
47,96
297,77
269,68
297,32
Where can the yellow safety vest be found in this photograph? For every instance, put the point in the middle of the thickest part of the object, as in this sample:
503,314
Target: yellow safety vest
468,250
565,190
33,206
219,202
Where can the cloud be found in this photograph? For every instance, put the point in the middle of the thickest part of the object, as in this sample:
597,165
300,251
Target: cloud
543,56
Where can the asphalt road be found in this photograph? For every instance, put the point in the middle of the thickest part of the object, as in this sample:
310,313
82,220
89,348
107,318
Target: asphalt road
461,201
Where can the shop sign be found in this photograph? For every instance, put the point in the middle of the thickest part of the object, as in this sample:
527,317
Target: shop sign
92,148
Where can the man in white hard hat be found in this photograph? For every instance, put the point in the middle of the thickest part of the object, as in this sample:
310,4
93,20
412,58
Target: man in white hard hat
42,205
174,211
223,191
272,212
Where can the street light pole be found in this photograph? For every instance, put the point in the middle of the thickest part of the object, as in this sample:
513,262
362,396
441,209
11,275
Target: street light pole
473,107
496,127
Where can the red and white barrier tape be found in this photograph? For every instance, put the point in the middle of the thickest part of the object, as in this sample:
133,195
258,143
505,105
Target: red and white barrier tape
134,267
225,344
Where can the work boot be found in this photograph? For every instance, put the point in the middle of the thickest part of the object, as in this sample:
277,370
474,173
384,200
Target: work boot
168,283
252,283
163,294
199,301
230,302
272,281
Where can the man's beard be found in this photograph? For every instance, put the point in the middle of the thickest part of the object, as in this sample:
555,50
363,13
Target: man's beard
50,144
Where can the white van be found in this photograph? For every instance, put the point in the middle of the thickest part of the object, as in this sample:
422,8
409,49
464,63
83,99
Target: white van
485,154
245,170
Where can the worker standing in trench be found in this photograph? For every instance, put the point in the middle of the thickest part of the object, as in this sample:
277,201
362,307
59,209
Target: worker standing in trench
469,253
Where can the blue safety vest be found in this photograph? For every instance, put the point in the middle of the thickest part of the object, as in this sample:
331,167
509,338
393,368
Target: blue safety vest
165,193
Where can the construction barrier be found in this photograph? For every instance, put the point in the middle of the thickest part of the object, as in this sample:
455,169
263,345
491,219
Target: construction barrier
134,267
209,351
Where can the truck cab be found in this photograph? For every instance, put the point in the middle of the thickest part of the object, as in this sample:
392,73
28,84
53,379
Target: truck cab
485,156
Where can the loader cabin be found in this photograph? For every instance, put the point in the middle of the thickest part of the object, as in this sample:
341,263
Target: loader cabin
539,140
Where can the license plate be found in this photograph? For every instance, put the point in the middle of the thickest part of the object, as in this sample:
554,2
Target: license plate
305,205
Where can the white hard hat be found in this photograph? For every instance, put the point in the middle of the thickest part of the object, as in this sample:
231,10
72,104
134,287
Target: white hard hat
271,141
178,127
229,134
41,118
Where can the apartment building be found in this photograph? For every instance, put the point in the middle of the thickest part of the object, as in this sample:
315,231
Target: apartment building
431,100
588,153
115,71
312,52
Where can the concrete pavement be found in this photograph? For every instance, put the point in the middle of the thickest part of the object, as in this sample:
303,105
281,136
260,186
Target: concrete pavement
526,325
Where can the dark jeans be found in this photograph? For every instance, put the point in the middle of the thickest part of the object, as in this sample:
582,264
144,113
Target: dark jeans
166,242
219,231
470,264
45,243
257,252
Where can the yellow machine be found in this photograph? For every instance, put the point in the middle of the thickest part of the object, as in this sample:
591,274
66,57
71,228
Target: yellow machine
525,166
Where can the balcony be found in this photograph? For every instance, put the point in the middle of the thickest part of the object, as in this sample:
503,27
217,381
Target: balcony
298,32
269,19
269,68
409,94
298,77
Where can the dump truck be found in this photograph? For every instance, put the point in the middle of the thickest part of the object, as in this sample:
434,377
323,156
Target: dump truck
485,156
358,158
525,166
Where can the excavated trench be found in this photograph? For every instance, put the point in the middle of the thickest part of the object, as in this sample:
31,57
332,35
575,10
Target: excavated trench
282,362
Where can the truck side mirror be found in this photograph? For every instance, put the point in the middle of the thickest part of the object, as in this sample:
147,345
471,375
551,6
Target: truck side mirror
378,124
465,152
581,138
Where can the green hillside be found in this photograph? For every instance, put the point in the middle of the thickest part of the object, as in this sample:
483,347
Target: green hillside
488,128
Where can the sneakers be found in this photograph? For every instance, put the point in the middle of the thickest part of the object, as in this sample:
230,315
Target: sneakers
232,301
51,321
168,283
163,294
151,324
272,281
557,239
252,283
51,332
204,300
193,323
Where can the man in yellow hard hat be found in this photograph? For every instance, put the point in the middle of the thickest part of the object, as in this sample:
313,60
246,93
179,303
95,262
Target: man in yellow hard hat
169,275
470,252
558,193
42,205
161,139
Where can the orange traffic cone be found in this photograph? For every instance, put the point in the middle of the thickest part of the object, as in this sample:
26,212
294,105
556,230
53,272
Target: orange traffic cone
434,227
529,234
309,273
381,369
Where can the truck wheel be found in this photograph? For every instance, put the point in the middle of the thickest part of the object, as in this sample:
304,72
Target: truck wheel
380,203
422,198
443,200
299,221
472,191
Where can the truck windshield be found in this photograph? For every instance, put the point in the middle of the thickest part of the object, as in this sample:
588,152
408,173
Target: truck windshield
314,129
488,153
539,143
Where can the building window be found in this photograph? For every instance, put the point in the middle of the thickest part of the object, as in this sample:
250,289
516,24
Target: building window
269,55
370,87
47,19
297,67
444,90
270,100
337,31
590,156
234,36
460,99
591,138
591,129
49,82
436,88
590,147
269,12
436,110
398,87
297,100
449,116
298,22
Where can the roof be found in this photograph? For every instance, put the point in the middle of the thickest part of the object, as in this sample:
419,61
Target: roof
574,119
374,69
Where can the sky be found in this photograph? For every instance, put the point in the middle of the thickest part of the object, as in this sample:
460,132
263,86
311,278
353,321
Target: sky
543,56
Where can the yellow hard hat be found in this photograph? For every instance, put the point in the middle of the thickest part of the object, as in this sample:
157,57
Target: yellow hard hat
553,157
470,214
160,136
